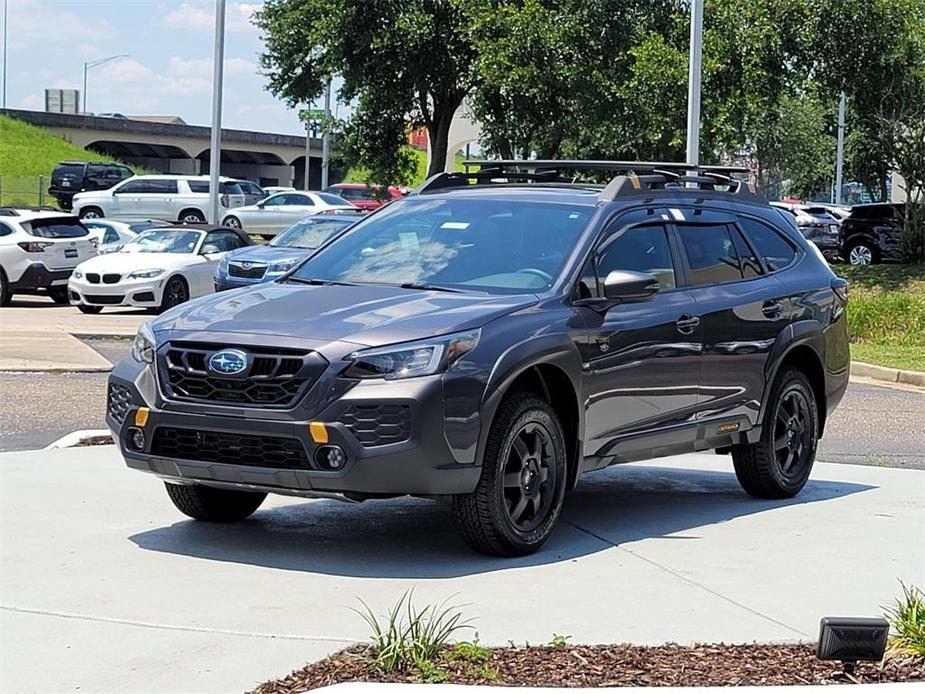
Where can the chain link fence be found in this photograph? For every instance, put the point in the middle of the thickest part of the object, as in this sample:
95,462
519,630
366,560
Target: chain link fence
25,191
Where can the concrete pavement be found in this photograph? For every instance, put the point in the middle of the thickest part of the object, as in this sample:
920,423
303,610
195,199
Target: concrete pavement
105,587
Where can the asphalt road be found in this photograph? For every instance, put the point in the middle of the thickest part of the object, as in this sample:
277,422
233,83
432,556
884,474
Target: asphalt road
874,425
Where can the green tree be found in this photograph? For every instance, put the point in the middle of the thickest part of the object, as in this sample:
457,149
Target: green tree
402,62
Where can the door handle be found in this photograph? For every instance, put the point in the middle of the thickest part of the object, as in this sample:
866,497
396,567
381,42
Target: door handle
687,323
772,309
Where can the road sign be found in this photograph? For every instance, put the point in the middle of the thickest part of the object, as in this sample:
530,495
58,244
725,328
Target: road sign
307,114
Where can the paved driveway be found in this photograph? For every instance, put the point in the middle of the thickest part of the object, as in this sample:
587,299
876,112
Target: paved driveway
105,587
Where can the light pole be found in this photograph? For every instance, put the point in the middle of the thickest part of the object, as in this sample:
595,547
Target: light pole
5,20
326,137
839,151
693,83
215,142
96,63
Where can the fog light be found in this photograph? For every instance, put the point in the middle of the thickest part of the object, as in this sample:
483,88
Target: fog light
136,439
331,457
851,639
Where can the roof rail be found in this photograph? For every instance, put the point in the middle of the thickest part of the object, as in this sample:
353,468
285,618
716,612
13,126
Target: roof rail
633,177
8,212
15,211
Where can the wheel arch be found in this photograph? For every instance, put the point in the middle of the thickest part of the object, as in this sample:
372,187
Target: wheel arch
191,208
551,371
803,348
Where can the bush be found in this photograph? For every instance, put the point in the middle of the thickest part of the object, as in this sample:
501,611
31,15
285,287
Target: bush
907,619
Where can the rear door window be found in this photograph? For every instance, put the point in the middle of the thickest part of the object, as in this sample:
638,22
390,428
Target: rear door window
777,251
164,186
711,253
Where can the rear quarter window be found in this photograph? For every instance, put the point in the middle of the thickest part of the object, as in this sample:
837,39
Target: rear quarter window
778,252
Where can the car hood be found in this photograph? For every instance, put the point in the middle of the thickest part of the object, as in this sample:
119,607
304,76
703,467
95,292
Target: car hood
369,315
267,254
127,262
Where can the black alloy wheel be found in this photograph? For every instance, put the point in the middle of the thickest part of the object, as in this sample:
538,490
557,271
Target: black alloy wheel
529,477
175,293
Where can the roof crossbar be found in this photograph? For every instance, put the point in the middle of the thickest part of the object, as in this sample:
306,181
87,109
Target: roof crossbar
629,177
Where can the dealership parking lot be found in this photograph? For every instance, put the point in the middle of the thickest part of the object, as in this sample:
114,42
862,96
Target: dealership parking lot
109,589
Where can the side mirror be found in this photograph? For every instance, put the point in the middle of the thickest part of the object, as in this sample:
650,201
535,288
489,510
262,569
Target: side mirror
261,204
628,286
209,249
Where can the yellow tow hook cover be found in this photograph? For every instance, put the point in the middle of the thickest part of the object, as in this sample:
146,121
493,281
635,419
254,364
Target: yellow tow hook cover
141,416
318,432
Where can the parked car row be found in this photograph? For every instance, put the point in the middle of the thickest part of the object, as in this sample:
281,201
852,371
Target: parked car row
859,235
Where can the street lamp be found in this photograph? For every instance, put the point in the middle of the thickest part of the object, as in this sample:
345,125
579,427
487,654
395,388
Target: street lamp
215,139
96,63
693,85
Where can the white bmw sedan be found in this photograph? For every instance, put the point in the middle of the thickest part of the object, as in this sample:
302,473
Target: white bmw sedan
159,269
269,217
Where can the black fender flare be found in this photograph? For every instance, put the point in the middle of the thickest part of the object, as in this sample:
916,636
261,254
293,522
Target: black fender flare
801,333
556,350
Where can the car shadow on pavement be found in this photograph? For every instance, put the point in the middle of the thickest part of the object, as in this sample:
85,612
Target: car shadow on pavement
415,538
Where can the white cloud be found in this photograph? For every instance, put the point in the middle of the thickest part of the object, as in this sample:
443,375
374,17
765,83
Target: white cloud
36,23
199,16
33,102
181,67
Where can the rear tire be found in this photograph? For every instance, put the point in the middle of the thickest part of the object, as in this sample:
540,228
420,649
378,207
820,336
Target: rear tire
59,295
777,466
212,504
192,217
519,495
5,295
862,253
89,309
91,213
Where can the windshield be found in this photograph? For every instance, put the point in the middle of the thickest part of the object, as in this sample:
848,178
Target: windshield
490,245
164,241
310,233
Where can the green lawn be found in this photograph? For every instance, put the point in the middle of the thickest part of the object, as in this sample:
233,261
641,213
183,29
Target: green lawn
28,152
886,314
358,175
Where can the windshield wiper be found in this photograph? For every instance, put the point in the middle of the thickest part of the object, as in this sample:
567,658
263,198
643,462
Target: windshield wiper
428,287
317,282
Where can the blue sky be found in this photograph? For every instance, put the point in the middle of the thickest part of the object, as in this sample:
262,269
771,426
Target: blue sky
169,68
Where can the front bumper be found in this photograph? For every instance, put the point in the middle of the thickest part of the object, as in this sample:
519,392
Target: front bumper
422,464
143,293
223,282
37,276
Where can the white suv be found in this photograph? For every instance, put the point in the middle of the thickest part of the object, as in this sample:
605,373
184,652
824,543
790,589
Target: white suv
180,198
38,250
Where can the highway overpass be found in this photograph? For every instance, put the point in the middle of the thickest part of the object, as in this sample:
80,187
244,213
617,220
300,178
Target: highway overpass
266,158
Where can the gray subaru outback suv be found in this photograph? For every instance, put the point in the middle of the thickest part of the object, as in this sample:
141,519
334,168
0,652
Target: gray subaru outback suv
492,337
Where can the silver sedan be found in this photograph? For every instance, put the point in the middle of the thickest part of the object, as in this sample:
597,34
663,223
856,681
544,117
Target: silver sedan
269,217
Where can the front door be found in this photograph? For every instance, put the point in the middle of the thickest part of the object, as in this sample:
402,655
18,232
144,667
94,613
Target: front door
641,360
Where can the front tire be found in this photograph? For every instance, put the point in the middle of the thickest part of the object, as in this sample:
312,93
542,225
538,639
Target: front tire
519,495
89,309
176,292
777,466
5,295
862,253
91,213
231,222
212,504
59,295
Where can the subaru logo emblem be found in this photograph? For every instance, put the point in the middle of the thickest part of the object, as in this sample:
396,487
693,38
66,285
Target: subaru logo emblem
246,265
228,362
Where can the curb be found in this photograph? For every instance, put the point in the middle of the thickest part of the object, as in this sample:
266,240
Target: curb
56,370
82,437
884,373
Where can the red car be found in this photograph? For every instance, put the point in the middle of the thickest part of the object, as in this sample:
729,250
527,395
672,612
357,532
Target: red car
362,195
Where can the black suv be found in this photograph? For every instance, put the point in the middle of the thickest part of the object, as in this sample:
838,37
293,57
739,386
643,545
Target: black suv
492,337
70,177
873,233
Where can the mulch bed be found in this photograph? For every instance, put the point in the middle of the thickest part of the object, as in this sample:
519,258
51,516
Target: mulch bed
612,666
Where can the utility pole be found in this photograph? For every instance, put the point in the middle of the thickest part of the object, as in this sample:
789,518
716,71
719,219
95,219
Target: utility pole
693,83
839,151
215,142
5,20
326,137
308,147
89,66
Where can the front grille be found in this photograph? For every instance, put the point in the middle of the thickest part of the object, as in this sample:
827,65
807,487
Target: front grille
105,298
254,272
274,378
93,277
229,448
111,278
378,425
118,401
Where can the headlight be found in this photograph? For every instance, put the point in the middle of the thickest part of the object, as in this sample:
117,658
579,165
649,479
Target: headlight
284,265
77,273
145,274
144,345
411,359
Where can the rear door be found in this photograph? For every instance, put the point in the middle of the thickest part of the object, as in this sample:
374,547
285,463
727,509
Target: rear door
742,308
641,360
160,201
